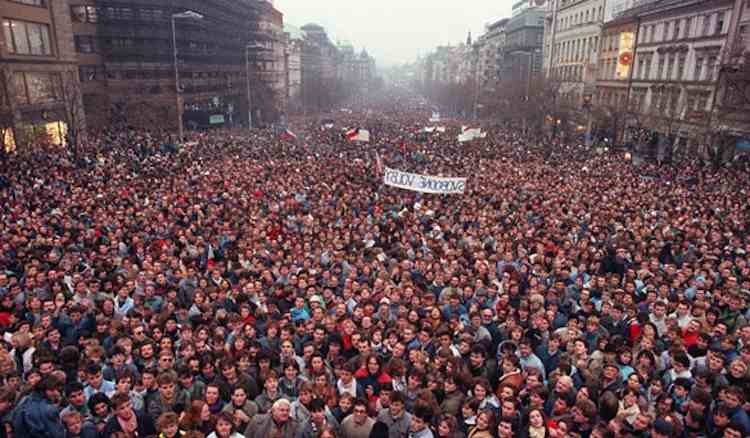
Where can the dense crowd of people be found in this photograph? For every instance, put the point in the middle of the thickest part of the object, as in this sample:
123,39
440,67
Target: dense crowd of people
245,285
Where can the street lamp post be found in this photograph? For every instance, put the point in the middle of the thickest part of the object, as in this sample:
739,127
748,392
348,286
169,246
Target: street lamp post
177,88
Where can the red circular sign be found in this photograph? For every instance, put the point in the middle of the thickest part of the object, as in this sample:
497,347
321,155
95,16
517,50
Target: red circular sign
626,58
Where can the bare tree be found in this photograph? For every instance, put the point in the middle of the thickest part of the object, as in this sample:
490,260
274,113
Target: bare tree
68,91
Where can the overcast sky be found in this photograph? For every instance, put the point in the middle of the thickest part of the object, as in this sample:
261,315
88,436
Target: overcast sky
395,31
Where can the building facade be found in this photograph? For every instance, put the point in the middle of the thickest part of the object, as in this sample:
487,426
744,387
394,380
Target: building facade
352,68
319,56
488,49
294,42
521,54
574,28
661,62
131,75
268,57
39,88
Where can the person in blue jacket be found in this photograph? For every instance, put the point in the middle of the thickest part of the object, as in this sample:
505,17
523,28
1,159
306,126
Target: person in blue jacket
37,414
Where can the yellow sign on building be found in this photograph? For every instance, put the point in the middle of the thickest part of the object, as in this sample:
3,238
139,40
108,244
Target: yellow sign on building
625,55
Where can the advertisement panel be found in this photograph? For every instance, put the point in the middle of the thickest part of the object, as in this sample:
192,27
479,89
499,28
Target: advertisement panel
625,55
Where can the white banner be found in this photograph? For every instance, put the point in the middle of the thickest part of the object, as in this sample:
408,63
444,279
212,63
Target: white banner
423,183
435,117
470,134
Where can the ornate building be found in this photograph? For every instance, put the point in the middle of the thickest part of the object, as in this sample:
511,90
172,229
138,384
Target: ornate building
660,66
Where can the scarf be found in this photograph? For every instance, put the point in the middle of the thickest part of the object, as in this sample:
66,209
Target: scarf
129,426
536,432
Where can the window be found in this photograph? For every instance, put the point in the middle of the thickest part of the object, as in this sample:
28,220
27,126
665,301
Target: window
706,25
36,87
89,73
152,15
703,102
639,69
667,31
719,28
691,101
698,73
40,3
86,44
27,38
676,30
85,14
710,68
688,26
674,97
647,72
680,67
121,43
660,71
670,67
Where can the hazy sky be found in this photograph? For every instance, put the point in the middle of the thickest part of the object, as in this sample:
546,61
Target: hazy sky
395,31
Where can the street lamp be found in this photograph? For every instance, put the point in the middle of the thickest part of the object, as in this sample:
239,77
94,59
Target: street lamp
195,16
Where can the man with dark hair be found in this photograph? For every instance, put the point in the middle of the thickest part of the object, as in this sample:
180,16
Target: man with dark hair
396,417
99,407
734,398
76,400
232,378
170,399
506,428
358,424
480,365
37,415
420,423
318,420
95,381
126,419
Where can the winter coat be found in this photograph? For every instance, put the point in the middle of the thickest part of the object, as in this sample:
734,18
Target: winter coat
36,416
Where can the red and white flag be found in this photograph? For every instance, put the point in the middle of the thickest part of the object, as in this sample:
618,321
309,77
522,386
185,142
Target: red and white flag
358,134
288,135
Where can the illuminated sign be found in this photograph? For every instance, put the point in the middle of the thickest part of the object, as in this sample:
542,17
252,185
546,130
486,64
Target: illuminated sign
625,57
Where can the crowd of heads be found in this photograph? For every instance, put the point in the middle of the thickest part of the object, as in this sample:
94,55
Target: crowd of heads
244,284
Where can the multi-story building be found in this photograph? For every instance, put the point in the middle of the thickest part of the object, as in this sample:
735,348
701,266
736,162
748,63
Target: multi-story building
466,58
352,68
521,54
488,49
318,68
133,73
442,65
269,61
39,89
573,28
661,61
294,42
732,109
